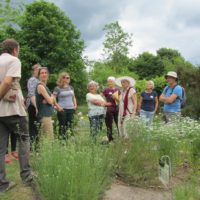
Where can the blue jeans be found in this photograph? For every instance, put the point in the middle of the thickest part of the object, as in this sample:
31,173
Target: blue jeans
147,117
96,124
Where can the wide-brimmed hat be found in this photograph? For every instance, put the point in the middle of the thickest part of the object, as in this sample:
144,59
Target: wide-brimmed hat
172,74
127,78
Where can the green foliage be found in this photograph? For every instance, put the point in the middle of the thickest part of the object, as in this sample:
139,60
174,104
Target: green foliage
101,72
77,170
169,54
138,161
190,80
119,63
159,83
148,66
48,37
186,191
116,40
10,13
116,47
172,59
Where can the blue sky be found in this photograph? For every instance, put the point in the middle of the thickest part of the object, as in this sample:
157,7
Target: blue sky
154,24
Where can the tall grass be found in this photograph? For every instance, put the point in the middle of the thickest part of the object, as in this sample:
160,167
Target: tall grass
76,170
139,159
187,191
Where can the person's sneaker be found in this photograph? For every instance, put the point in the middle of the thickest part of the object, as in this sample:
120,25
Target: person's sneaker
10,186
8,159
15,155
29,180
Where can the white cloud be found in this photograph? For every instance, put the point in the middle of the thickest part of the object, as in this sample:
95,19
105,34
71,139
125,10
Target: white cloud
154,24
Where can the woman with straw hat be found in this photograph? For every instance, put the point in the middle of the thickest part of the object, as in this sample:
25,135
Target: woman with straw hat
127,102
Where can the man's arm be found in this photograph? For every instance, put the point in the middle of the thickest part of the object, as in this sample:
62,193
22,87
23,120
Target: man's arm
5,86
169,99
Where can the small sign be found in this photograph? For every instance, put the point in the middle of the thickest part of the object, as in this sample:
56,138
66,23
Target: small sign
165,170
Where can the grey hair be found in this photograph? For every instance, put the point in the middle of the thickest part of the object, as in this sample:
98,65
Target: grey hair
152,83
92,83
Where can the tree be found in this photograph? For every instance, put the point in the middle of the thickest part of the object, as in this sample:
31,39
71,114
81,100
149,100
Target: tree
116,40
148,66
116,47
48,36
169,54
10,14
172,59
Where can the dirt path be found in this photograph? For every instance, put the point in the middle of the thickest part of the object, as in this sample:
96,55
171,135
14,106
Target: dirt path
120,191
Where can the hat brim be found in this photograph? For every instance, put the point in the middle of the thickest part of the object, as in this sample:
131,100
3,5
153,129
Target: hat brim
128,78
171,77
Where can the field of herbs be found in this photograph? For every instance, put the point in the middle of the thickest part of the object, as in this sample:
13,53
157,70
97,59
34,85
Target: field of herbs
80,168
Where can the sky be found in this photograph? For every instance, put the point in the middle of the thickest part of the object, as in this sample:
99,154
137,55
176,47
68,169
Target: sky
154,24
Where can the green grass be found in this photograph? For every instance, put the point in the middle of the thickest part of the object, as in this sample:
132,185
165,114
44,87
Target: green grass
82,108
79,169
76,170
19,191
187,191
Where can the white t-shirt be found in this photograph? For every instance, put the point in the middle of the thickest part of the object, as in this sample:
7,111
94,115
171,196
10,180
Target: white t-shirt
11,66
130,102
94,109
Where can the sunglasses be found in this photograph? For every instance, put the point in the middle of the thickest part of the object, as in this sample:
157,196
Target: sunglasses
66,77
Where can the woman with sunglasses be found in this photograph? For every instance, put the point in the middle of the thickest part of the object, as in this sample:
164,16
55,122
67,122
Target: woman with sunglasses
66,104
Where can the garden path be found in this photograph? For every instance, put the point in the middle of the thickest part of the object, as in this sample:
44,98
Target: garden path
119,191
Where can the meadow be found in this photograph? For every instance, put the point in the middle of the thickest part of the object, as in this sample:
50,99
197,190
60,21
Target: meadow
79,168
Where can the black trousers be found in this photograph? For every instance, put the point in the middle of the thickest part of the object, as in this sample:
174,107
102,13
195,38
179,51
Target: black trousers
111,114
33,124
65,119
13,141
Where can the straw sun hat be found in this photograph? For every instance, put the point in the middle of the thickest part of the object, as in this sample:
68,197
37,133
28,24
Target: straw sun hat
127,78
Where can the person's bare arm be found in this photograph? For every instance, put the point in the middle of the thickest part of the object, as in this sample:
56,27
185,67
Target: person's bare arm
98,102
5,86
75,103
134,100
156,104
49,99
140,104
168,100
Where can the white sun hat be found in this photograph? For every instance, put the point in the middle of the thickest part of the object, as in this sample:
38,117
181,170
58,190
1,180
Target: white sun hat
127,78
112,78
172,74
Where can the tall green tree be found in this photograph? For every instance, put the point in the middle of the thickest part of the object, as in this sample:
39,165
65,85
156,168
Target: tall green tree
116,40
10,17
116,47
148,66
172,59
49,37
10,13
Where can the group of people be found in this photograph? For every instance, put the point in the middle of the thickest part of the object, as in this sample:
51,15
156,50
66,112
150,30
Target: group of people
117,102
41,104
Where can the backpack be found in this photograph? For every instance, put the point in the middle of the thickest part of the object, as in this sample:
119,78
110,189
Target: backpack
182,99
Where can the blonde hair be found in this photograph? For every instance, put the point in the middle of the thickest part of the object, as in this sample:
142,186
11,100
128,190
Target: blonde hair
151,82
60,82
